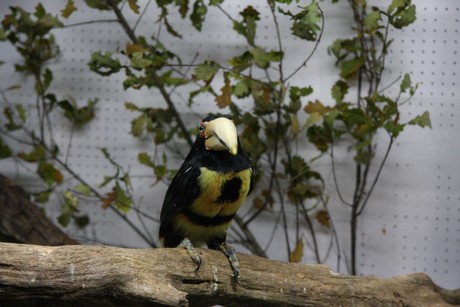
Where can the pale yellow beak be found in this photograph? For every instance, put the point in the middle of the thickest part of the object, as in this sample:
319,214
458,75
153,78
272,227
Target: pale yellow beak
221,134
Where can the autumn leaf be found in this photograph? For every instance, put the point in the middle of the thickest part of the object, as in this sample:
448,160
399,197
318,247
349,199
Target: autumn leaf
108,200
297,253
322,217
224,99
258,203
131,48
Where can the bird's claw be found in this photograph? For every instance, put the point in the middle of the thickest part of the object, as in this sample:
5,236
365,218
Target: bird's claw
191,251
231,255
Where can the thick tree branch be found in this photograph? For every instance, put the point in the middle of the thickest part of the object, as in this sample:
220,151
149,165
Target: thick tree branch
118,276
22,221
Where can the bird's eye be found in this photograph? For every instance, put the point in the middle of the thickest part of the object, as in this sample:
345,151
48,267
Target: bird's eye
201,127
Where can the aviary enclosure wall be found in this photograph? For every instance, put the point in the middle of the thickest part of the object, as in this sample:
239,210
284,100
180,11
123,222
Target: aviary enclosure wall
412,223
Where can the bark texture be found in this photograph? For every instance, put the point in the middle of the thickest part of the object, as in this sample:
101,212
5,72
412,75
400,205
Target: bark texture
22,221
100,275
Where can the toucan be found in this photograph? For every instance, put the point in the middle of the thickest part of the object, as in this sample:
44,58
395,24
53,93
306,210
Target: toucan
207,191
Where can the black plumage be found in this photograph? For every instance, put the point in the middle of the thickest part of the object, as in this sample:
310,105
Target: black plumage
208,189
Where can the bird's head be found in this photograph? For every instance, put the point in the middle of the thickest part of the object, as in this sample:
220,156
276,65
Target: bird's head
219,133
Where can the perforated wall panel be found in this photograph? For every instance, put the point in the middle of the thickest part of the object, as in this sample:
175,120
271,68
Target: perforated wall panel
412,223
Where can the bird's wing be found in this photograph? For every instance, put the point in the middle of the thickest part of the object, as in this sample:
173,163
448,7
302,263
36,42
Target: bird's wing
182,191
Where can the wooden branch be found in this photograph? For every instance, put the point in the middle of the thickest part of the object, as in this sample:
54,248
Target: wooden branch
22,221
119,276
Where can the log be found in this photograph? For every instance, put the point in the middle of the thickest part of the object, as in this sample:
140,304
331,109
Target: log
22,221
110,276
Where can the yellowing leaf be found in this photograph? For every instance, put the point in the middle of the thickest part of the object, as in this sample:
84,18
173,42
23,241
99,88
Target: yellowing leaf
133,6
69,9
294,125
131,48
71,199
297,253
316,107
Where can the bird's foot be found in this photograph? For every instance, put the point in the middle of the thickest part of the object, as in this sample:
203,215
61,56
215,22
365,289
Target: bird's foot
231,255
192,252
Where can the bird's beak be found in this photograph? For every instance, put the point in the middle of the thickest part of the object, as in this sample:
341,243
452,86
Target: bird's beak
221,134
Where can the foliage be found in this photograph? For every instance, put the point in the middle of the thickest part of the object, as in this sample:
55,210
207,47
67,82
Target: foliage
280,121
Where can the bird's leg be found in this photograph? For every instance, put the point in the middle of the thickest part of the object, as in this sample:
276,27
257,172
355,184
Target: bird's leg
187,244
231,255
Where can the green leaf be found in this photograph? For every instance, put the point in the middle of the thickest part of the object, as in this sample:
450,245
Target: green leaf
103,64
79,116
144,159
5,151
139,61
83,189
320,136
260,57
198,14
12,117
65,217
49,173
69,9
43,197
81,221
131,106
2,35
363,157
247,27
313,119
241,62
339,90
306,23
99,4
215,2
242,89
422,120
137,126
371,21
398,5
122,201
21,112
394,129
47,78
404,14
37,154
405,83
350,67
168,79
206,71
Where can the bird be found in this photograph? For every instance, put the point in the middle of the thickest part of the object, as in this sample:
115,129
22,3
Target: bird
207,191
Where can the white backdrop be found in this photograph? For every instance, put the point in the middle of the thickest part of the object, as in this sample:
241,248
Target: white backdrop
412,223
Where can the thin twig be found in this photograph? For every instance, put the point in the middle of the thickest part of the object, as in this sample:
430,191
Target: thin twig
377,176
314,48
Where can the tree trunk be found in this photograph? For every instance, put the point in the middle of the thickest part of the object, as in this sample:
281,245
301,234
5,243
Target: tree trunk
22,221
99,275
